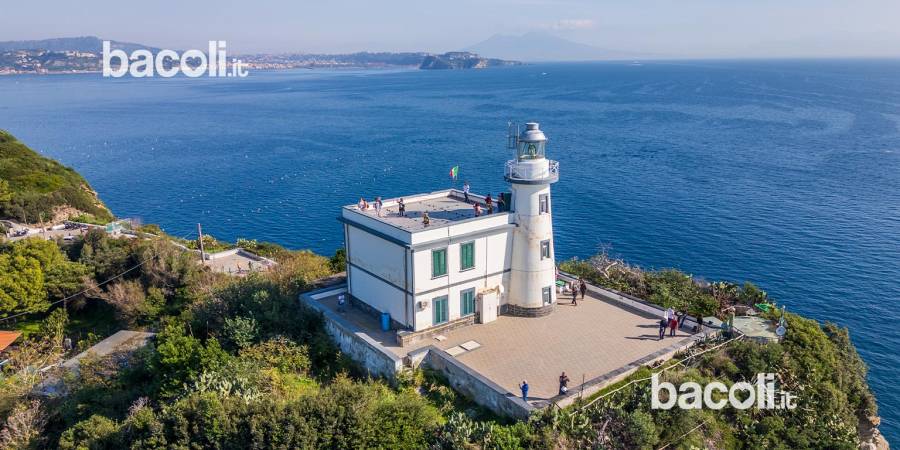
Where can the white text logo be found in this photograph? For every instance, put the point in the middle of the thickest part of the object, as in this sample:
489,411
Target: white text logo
167,63
692,395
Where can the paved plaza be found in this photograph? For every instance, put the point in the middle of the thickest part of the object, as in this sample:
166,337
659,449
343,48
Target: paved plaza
593,339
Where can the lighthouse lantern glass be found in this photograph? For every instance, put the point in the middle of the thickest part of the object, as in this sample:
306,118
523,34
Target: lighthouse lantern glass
531,150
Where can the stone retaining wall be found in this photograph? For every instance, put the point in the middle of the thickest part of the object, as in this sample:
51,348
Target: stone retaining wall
354,342
476,387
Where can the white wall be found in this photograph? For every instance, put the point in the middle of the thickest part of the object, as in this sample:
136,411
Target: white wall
379,295
376,255
491,263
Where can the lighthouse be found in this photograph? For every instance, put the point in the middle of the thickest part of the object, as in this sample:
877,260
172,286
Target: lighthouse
532,277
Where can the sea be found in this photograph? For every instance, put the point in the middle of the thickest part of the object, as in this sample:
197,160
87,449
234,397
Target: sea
785,173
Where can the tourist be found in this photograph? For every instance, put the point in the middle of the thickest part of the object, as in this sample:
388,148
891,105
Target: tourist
362,205
489,202
673,325
477,209
402,207
582,286
378,205
466,191
574,295
524,388
501,204
341,302
662,328
563,383
425,219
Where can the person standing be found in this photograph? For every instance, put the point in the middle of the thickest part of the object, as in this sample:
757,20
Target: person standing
563,383
673,325
574,296
477,209
662,328
489,202
524,388
466,191
378,205
402,207
582,286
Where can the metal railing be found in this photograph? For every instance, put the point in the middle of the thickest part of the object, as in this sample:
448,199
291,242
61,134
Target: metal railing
516,171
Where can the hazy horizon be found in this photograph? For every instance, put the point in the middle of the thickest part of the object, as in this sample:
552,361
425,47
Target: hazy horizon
691,29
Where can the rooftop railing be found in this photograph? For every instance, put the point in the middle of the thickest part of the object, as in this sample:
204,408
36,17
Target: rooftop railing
523,173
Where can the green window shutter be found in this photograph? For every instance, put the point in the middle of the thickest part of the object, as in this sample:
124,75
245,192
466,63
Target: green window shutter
467,302
438,263
466,255
440,310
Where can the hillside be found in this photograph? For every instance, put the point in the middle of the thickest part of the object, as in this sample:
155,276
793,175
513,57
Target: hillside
35,188
461,60
86,44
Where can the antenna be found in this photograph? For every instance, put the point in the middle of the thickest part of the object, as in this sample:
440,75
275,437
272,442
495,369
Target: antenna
512,138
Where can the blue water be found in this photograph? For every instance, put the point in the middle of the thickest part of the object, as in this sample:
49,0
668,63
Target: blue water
785,173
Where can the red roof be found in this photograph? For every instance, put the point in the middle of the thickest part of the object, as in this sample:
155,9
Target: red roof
7,338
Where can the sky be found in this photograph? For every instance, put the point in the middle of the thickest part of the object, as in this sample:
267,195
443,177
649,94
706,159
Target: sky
675,28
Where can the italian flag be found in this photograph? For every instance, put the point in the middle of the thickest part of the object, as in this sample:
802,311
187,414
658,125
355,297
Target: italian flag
454,172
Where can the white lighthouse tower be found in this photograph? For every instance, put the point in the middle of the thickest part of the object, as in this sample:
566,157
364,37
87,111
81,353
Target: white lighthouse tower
532,278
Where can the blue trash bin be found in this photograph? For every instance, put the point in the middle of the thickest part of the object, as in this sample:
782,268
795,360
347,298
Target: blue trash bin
385,321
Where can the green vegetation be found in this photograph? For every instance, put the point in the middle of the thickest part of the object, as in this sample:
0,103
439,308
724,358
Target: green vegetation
240,363
667,287
34,188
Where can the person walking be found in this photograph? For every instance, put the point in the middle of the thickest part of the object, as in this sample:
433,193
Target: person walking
563,383
662,328
466,191
378,205
401,207
574,295
582,287
524,388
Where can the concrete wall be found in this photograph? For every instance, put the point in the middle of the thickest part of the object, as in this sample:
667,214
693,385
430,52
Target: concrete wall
474,386
378,360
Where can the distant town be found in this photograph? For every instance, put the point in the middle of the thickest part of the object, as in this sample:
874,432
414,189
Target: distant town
84,55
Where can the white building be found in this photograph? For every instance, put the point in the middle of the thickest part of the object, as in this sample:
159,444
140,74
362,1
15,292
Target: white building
459,268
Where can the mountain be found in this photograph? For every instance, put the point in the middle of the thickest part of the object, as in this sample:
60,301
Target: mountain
87,44
35,188
536,46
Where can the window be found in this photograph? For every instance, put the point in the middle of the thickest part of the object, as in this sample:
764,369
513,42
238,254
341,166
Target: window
545,249
439,307
466,256
546,295
438,263
544,203
467,302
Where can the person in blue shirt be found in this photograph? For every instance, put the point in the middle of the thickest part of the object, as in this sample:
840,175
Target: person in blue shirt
524,388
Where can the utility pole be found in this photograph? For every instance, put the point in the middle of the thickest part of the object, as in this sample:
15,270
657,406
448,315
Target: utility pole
200,236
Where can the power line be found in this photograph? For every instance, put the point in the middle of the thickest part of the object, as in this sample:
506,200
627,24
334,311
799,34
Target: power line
739,336
85,290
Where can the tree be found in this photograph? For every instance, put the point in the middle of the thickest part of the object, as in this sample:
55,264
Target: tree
5,191
21,285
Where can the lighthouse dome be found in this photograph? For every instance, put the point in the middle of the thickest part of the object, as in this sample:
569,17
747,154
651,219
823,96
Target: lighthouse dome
532,133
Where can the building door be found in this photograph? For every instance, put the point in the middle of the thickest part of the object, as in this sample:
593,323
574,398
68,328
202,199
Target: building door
488,306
